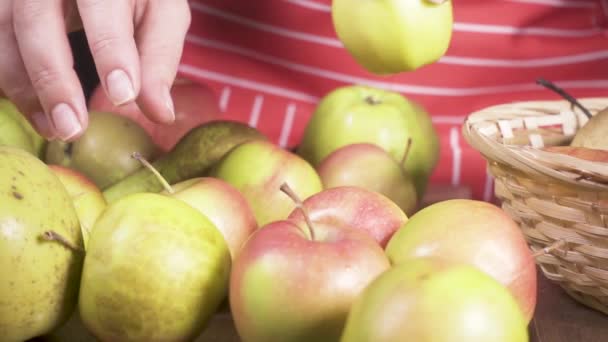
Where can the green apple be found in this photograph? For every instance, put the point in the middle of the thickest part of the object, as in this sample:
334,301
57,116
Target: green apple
472,232
86,196
12,134
258,168
36,143
156,270
39,282
370,167
393,36
291,284
426,300
361,114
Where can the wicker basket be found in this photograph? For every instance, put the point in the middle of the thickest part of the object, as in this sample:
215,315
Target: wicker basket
559,201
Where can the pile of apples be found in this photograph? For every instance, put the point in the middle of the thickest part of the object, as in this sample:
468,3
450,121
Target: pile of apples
326,242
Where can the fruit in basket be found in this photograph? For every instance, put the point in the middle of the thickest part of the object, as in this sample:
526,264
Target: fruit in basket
258,169
40,274
389,37
217,200
586,153
86,197
361,114
156,270
593,133
194,105
298,283
37,142
474,232
356,208
426,300
103,152
370,167
199,150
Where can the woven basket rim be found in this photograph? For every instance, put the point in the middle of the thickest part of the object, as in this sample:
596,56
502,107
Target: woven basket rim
482,131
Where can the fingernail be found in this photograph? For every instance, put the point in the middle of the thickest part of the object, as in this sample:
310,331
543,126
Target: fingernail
169,104
120,87
42,125
66,122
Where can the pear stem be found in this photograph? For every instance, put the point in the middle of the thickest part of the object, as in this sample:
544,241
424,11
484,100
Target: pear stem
408,147
289,192
161,179
551,86
555,245
51,235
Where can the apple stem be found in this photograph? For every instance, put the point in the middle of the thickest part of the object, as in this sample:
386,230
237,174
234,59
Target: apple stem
555,245
161,179
289,192
551,86
51,235
408,147
372,100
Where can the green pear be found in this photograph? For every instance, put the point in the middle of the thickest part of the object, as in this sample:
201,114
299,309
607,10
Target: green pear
393,36
103,152
194,155
38,143
427,300
362,114
39,283
156,270
593,133
12,134
258,169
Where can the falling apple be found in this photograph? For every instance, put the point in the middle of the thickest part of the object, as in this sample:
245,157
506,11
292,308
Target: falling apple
371,167
299,284
356,208
430,300
393,36
473,232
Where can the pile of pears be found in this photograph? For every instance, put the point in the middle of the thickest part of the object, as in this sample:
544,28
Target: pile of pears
63,280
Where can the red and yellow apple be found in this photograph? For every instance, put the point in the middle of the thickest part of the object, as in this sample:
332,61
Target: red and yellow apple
290,283
472,232
356,208
431,300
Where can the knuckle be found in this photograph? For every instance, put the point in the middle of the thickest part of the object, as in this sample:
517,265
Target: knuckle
44,79
104,42
27,12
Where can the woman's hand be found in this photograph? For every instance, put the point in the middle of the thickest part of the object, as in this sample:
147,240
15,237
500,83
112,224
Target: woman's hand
136,45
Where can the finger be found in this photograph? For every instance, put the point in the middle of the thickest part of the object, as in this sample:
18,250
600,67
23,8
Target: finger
109,29
160,38
14,82
45,50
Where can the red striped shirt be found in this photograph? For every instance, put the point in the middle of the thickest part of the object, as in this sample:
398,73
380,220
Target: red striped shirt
270,61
